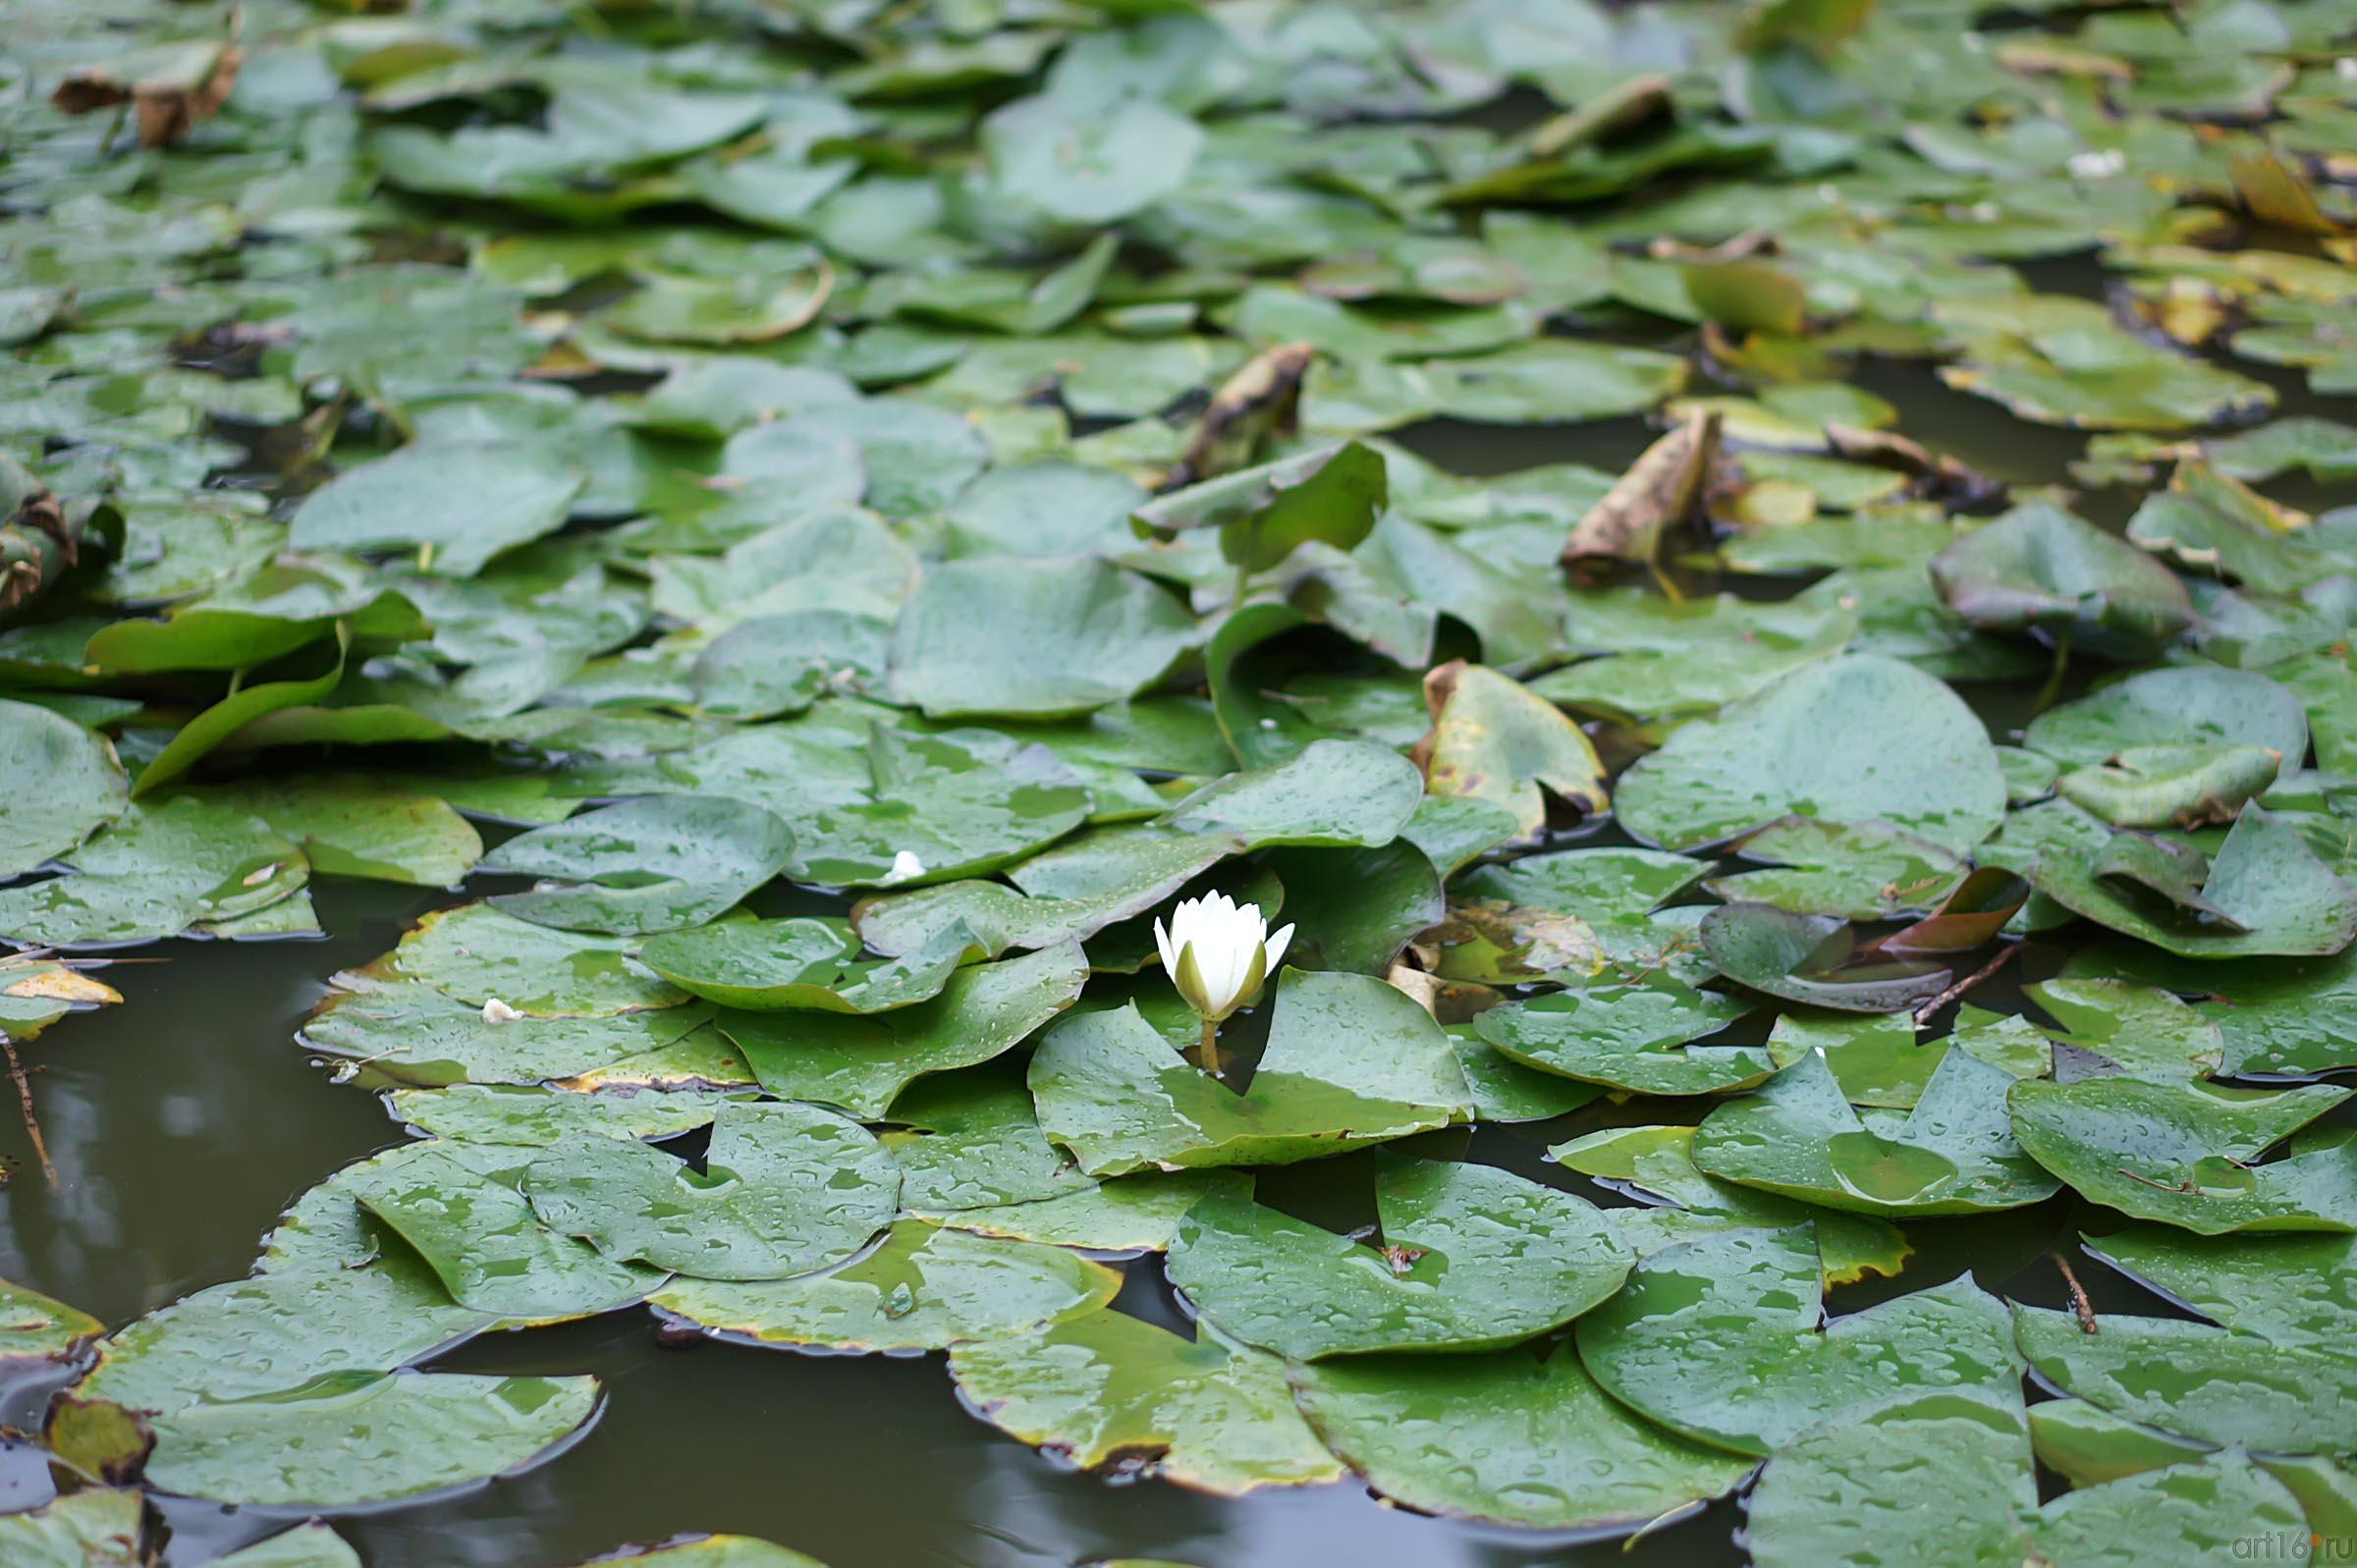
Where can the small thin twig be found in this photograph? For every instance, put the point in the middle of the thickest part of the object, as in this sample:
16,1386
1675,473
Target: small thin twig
33,1123
2078,1292
1923,1014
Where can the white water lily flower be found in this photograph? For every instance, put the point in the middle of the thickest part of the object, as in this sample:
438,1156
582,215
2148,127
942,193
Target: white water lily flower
1218,953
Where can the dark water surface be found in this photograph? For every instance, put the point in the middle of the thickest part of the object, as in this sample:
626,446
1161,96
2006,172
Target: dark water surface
185,1120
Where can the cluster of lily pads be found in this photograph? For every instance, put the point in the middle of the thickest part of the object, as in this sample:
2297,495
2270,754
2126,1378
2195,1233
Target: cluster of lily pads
873,504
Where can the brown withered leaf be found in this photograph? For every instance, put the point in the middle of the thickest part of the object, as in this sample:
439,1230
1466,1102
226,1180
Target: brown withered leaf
1935,475
1662,487
1258,401
170,87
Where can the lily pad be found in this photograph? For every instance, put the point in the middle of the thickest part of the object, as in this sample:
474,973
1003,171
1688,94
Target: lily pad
861,1063
1349,1060
365,1438
1335,793
1013,637
2190,1154
784,1189
478,954
2198,704
409,1031
644,866
63,783
1511,1438
1721,1339
1494,738
1632,1038
776,965
1064,894
1952,1154
1815,959
1862,871
2180,785
1218,1417
1856,738
925,1288
459,502
1469,1258
2040,568
99,1528
492,1253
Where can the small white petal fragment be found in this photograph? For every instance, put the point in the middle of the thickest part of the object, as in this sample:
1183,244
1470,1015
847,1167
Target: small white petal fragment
2096,165
905,867
498,1011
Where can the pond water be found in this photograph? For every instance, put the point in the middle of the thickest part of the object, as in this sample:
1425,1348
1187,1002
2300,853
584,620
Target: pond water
185,1120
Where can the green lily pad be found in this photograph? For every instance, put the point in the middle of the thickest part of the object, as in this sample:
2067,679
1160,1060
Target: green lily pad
365,1438
715,1551
1469,1258
2190,1154
64,783
98,1528
353,825
2276,896
1656,1167
1862,871
1856,738
492,1253
1842,1482
2211,1384
1356,908
460,503
1509,1437
2139,1029
1335,793
1329,496
784,1189
2181,785
2198,705
1008,636
2040,568
1218,1417
643,866
1721,1339
155,871
539,1118
1349,1060
861,1063
1632,1038
2292,1292
35,1328
925,1288
2279,1017
478,954
775,966
311,1545
1132,1213
1952,1154
409,1031
1815,959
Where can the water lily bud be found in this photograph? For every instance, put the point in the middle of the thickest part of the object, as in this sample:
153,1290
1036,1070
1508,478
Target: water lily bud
1218,953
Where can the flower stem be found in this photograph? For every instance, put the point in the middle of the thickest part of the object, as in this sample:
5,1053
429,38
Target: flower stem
1207,1053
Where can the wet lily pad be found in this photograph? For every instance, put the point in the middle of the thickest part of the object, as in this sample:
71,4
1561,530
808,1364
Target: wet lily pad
64,782
352,825
2180,785
2040,568
925,1288
100,1527
1064,894
539,1117
1721,1339
1494,738
1634,1037
776,965
644,866
1349,1060
409,1031
459,502
364,1438
2191,1154
1656,1167
1815,959
1004,635
2198,704
1862,871
1953,1153
33,1327
478,954
1843,1482
311,1545
1334,793
492,1253
1509,1437
155,871
1851,739
861,1063
1468,1258
1218,1417
784,1189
